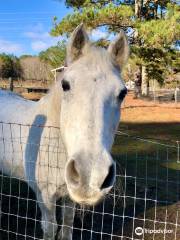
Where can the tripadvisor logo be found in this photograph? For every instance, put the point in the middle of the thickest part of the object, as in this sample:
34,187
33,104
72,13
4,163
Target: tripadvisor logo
140,231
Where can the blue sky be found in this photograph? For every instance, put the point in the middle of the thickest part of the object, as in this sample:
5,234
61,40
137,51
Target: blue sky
25,25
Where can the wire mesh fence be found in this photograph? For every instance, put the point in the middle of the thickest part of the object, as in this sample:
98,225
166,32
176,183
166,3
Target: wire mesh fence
160,95
143,204
165,95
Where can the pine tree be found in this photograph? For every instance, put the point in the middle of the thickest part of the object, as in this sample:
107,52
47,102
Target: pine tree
152,26
55,56
9,66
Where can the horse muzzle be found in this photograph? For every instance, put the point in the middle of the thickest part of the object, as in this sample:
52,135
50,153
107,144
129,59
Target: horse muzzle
88,184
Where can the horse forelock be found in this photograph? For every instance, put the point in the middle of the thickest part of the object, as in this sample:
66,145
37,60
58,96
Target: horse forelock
94,57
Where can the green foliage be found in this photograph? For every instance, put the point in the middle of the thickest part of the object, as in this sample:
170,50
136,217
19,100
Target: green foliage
176,61
157,27
55,56
9,66
159,62
17,70
75,3
161,32
111,16
155,48
25,56
102,43
85,3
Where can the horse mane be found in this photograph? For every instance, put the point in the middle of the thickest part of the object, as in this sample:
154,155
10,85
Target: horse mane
52,101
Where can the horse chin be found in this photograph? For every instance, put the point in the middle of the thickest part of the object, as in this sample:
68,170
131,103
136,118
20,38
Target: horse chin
83,200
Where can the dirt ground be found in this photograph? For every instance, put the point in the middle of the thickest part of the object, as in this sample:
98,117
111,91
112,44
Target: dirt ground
141,111
141,117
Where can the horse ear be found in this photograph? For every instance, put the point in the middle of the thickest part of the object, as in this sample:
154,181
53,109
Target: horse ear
78,41
119,49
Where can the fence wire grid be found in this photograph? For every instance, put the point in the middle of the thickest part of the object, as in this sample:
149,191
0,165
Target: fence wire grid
143,204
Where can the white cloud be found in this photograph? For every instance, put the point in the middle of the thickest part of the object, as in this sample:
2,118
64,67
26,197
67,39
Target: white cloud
10,47
98,34
37,35
41,39
39,45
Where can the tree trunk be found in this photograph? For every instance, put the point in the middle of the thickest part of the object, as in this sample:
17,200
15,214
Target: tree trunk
138,7
144,84
11,84
144,80
156,11
161,12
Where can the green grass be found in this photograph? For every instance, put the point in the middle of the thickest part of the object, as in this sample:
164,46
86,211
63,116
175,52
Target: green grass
172,165
152,172
165,132
148,160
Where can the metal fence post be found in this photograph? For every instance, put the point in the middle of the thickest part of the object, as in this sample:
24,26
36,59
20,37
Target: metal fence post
176,95
178,161
154,91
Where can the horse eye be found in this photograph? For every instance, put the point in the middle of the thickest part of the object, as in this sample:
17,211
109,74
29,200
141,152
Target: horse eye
122,94
65,85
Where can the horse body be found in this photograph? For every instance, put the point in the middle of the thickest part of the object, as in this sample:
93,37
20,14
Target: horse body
14,109
25,144
59,144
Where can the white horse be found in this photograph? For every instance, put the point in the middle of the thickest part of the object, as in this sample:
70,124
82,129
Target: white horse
85,105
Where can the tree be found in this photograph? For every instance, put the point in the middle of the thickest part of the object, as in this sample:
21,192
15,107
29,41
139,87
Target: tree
17,70
155,51
25,56
1,66
55,56
9,66
34,69
84,3
112,16
152,26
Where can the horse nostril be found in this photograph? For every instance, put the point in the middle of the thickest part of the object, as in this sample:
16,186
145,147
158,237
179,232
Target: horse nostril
122,94
109,180
72,173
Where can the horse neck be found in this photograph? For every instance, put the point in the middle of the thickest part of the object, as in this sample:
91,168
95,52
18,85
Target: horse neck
50,106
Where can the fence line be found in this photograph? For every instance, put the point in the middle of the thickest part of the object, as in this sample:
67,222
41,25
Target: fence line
145,198
149,140
157,96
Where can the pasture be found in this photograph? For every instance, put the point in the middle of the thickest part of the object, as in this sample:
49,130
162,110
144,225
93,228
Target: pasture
146,193
148,119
